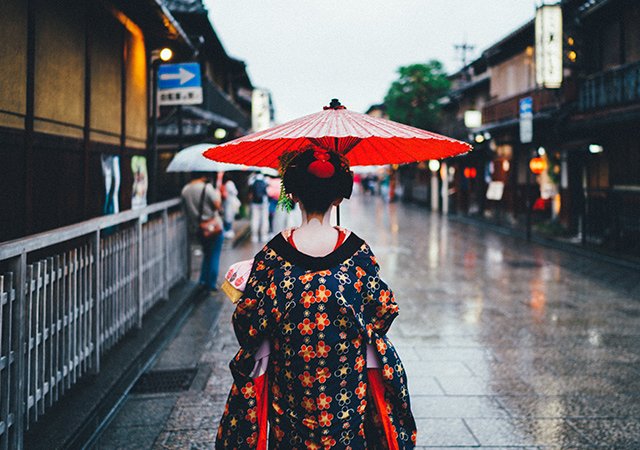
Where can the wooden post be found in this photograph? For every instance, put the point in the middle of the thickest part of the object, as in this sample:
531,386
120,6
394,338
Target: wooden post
17,396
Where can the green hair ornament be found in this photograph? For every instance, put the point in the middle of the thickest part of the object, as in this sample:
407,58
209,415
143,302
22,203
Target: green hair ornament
284,202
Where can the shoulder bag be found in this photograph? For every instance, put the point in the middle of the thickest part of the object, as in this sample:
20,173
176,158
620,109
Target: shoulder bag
208,229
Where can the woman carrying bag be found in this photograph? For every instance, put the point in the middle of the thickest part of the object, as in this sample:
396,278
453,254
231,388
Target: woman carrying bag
202,203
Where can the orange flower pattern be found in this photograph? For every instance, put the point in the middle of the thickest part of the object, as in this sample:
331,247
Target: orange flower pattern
317,321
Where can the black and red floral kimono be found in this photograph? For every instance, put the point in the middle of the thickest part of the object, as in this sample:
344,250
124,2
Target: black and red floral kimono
320,390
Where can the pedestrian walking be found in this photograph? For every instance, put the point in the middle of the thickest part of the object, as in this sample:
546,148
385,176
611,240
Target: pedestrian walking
231,205
279,219
259,208
315,361
273,193
202,202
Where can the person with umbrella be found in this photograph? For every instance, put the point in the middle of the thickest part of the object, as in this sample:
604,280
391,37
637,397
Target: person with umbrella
316,310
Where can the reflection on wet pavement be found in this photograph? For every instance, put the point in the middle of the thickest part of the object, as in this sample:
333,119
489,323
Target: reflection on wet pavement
507,344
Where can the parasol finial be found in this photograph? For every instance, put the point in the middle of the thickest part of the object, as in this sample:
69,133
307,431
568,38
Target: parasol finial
335,104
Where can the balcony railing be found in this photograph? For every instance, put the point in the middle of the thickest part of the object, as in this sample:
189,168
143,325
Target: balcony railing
501,110
69,295
612,218
616,87
220,103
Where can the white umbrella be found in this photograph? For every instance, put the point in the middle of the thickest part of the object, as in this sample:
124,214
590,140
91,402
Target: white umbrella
190,159
368,170
267,171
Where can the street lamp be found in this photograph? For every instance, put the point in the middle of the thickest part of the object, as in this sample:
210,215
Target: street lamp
157,56
165,54
595,148
220,133
434,166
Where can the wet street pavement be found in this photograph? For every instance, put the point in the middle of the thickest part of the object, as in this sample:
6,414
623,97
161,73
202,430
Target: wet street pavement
507,344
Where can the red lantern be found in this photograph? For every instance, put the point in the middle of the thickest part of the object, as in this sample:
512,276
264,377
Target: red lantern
470,172
537,165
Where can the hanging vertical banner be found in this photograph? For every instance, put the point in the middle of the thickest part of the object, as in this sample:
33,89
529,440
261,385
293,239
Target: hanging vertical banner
260,110
140,182
548,30
111,172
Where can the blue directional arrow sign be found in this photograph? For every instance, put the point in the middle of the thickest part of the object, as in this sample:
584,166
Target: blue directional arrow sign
179,84
526,106
526,120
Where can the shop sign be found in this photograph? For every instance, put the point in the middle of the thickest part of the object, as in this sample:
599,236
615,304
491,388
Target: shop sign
526,120
495,190
260,110
548,36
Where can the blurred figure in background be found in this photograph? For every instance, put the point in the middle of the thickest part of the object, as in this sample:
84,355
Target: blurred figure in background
279,218
259,208
231,205
202,202
273,192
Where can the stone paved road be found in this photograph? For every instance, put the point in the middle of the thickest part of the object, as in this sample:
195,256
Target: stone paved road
507,344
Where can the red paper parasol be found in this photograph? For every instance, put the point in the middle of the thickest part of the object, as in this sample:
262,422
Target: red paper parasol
365,139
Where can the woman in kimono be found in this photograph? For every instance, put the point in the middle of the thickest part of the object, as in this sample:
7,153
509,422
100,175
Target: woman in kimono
315,366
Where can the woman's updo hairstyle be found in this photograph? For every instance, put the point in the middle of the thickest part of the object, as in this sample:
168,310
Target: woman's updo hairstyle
317,177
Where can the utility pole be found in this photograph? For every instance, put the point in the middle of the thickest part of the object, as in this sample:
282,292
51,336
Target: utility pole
464,49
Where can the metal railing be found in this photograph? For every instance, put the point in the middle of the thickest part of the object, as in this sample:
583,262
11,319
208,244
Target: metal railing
614,87
509,108
69,295
612,218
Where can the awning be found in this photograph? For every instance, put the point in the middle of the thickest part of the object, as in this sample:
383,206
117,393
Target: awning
210,116
195,122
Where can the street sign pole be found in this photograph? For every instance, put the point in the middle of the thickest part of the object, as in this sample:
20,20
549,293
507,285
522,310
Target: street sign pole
153,179
526,136
173,84
179,124
528,203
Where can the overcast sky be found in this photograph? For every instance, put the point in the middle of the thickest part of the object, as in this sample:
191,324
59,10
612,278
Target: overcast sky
306,52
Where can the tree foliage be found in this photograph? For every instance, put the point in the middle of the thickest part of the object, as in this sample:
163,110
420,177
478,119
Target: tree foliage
413,98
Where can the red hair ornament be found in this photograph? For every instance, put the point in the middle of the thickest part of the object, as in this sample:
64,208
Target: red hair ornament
321,168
